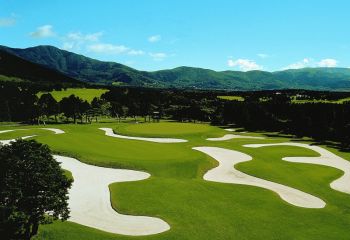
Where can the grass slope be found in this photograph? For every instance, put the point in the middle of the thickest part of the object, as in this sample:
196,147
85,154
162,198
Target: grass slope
197,209
87,94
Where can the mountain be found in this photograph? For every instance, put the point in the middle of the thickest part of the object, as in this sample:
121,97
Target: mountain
14,68
109,73
81,67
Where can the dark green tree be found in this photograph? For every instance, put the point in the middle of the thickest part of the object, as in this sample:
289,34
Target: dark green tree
33,189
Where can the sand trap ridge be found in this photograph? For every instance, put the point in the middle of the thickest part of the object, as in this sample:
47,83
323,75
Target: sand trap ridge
226,173
232,136
109,132
55,130
7,142
89,200
326,158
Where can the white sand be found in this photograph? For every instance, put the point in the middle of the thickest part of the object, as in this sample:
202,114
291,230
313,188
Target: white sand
5,131
55,130
226,173
109,132
89,200
232,136
326,158
231,129
7,142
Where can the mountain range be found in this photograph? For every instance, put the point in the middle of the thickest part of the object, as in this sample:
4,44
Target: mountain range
68,66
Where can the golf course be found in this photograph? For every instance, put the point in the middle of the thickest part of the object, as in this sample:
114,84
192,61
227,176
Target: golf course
172,180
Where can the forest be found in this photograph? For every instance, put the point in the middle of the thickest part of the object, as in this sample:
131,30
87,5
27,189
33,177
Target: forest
272,111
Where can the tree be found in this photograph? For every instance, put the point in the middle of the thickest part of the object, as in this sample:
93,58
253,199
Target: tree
74,107
33,189
47,106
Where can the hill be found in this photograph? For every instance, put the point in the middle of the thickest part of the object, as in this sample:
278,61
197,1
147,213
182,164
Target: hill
109,73
14,68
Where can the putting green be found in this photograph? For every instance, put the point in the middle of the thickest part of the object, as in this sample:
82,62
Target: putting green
165,129
195,208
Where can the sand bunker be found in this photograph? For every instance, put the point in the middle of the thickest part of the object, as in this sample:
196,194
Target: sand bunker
89,200
6,142
231,129
232,136
5,131
326,158
226,173
55,130
109,132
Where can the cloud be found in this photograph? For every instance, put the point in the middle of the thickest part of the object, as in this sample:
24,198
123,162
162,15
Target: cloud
133,52
75,40
68,45
309,62
111,49
155,38
301,64
263,55
106,48
244,64
328,62
43,32
158,56
7,22
77,36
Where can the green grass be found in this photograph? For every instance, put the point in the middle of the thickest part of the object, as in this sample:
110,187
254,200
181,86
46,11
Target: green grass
4,78
166,129
198,209
339,101
87,94
232,98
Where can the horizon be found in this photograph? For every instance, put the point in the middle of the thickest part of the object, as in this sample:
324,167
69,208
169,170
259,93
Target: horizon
157,35
165,69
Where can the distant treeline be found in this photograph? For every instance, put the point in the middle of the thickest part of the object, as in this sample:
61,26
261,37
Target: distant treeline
263,110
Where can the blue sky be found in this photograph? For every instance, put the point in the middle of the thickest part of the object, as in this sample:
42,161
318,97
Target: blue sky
159,34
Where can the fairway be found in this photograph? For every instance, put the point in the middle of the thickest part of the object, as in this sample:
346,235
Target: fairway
87,94
193,207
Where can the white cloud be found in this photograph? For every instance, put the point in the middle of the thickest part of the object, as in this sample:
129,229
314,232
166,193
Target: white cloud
244,64
76,40
77,36
301,64
133,52
262,55
111,49
106,48
68,45
158,56
43,32
328,62
7,22
155,38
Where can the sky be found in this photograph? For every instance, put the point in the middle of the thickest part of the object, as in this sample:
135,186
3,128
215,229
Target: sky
244,35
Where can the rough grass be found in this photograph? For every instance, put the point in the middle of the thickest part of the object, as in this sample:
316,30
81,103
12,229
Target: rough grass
87,94
197,209
339,101
232,98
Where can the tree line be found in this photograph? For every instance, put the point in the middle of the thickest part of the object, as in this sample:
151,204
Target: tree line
262,110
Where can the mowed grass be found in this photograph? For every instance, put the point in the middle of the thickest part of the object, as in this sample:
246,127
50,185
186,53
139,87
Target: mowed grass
166,129
339,101
87,94
198,209
232,98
